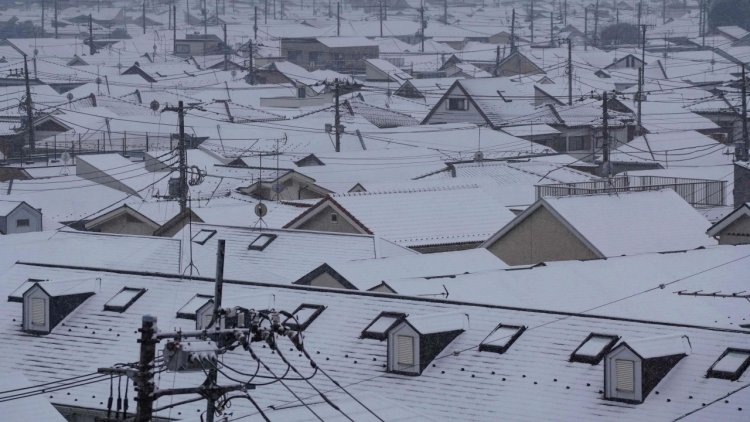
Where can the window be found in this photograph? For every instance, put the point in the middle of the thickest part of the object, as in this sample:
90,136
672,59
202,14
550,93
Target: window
625,374
191,307
577,143
304,315
24,222
301,93
378,328
122,300
405,350
334,218
730,365
261,242
593,348
501,338
202,236
38,312
457,104
294,55
182,48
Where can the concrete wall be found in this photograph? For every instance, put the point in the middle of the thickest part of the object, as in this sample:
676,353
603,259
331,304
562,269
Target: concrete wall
322,222
737,233
539,238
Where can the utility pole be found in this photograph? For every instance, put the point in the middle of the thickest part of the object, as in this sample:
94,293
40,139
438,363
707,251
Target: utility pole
381,18
497,61
143,16
551,31
174,28
745,139
596,23
445,12
144,381
605,136
513,32
531,24
265,13
641,76
663,11
91,37
337,118
218,289
586,28
640,5
42,17
55,19
338,19
251,71
565,12
639,98
29,109
704,25
226,49
570,72
422,24
385,10
182,154
255,23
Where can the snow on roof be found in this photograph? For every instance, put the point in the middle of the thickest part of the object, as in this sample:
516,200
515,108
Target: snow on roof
540,354
346,42
7,206
438,323
633,222
733,31
428,216
661,346
389,69
674,149
530,130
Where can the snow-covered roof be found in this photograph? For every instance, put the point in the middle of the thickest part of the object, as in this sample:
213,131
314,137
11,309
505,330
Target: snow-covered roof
438,323
661,346
32,408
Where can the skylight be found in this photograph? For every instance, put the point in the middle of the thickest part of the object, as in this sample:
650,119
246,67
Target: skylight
123,299
730,365
593,348
378,328
191,307
304,315
501,338
202,236
262,241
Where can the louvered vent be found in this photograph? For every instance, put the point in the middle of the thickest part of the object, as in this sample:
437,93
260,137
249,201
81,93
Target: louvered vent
405,350
38,312
624,371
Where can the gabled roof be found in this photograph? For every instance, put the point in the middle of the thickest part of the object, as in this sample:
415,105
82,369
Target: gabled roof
741,211
659,346
625,223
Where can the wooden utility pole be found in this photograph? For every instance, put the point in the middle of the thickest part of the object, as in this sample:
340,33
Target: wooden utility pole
497,61
174,28
596,23
338,19
513,31
250,69
143,16
226,49
422,25
605,137
640,5
144,381
337,118
29,108
215,318
91,37
641,76
570,72
745,138
381,18
255,23
586,28
531,24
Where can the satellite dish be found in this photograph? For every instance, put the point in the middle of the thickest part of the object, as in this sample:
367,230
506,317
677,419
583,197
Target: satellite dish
261,210
154,105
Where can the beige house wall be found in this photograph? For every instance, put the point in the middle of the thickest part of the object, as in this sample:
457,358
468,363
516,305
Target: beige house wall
326,280
125,224
539,238
737,233
322,221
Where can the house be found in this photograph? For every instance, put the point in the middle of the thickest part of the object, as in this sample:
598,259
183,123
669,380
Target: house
427,219
734,228
286,185
342,54
379,70
516,63
405,348
600,226
198,45
19,217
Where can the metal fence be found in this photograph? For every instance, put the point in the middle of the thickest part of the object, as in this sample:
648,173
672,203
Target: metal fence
697,192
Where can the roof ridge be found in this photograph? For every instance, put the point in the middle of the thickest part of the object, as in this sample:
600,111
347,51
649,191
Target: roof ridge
410,190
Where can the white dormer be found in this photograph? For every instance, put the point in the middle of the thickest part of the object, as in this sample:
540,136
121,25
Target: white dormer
415,341
45,307
632,370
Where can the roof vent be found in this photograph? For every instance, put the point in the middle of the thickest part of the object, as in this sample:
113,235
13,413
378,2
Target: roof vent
415,341
45,307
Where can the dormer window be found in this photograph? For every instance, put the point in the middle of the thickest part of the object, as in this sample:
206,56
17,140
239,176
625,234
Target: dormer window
593,348
415,341
730,365
44,308
202,236
633,369
303,316
123,299
261,242
379,327
457,104
501,338
334,218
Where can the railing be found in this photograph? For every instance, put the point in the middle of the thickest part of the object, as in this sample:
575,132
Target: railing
697,192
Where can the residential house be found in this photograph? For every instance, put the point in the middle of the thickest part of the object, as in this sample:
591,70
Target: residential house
19,217
379,70
600,226
342,54
427,219
733,229
198,45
